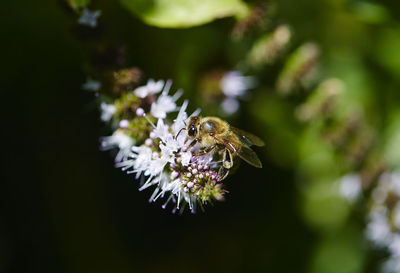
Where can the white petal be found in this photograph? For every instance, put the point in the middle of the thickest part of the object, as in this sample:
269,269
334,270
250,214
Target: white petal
107,111
185,158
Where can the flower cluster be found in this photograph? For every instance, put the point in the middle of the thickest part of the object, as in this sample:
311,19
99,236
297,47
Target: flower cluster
157,150
383,227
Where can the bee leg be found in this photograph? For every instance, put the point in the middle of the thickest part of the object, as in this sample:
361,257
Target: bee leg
227,159
223,172
227,163
194,141
205,151
179,132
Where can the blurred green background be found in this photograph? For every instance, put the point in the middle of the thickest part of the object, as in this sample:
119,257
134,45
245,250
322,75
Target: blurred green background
67,209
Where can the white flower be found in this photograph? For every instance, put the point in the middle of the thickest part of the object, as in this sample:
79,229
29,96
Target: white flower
167,153
118,140
91,85
180,121
230,105
156,166
394,246
392,265
350,187
395,185
234,84
165,103
378,228
152,87
124,123
142,156
161,130
185,158
163,106
89,18
107,111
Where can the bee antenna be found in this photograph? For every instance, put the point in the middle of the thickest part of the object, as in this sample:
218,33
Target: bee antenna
179,132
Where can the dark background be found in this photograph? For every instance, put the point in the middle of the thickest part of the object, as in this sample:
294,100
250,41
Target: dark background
67,209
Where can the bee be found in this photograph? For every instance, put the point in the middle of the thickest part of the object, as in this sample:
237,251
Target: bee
213,134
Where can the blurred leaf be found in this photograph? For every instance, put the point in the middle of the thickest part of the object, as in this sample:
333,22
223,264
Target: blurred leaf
322,206
387,51
184,13
341,253
316,156
372,13
346,65
392,145
318,169
279,127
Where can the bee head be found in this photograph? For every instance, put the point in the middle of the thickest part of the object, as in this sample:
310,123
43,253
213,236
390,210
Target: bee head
192,126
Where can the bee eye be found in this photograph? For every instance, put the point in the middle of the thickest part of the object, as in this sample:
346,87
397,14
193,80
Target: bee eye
192,131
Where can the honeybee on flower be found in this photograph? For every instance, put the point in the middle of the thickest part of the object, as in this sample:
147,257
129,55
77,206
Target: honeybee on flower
158,153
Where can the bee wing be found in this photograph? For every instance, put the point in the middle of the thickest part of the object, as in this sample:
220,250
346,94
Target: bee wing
249,156
245,153
247,138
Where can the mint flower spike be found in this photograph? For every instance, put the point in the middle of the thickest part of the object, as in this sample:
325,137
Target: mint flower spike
383,223
161,158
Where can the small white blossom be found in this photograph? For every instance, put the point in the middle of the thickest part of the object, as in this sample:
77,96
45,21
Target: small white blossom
156,166
124,123
185,158
167,153
162,106
161,131
140,112
164,103
118,140
378,228
107,111
394,246
89,18
230,105
392,265
234,84
180,120
91,85
350,186
152,87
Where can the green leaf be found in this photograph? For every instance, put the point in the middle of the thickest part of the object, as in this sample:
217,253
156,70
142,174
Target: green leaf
184,13
392,140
